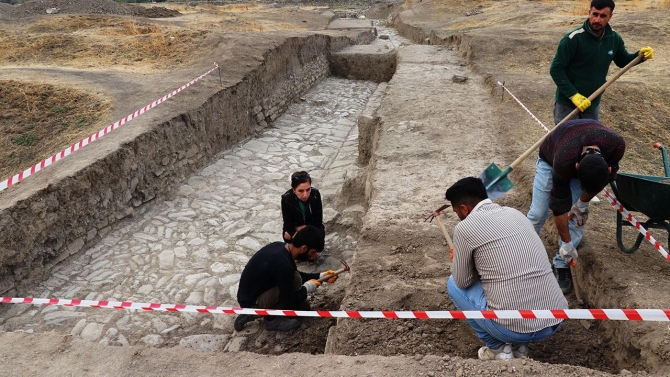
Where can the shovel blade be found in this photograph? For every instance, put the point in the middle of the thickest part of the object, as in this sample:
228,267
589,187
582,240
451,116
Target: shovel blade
496,181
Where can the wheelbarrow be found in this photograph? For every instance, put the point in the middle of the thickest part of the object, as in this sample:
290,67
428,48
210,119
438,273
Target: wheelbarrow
647,194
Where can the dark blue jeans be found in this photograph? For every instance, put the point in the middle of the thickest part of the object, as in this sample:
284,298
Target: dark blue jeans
492,333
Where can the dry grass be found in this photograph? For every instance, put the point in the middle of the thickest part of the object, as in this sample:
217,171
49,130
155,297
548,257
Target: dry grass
40,120
84,41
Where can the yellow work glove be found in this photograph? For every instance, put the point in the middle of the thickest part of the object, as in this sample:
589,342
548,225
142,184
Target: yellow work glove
328,273
647,52
580,101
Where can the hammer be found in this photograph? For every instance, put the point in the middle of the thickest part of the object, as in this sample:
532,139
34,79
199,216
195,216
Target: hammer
341,270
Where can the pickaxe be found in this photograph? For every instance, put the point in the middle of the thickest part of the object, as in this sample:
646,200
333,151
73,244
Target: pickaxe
341,270
436,215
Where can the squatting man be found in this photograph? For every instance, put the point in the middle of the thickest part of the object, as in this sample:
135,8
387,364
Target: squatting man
271,280
500,263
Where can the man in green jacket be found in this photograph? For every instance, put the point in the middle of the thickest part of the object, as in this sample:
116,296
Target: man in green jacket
582,60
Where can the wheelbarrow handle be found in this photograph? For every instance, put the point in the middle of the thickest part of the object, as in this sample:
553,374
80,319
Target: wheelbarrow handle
664,154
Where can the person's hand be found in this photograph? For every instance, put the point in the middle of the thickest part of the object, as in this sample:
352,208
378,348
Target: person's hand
569,254
580,212
581,102
451,253
287,236
311,285
328,273
646,52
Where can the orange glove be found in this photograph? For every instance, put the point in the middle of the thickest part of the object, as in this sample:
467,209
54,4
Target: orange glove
451,253
328,273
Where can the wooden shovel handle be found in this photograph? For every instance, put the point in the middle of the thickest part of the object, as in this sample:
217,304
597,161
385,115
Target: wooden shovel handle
575,111
575,286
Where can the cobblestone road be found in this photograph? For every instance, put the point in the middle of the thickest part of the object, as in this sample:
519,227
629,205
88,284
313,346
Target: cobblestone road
192,248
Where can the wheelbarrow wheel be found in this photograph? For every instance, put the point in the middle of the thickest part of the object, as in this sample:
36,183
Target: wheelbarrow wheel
620,222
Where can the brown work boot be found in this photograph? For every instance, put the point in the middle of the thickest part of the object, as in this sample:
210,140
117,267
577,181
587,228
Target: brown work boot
281,324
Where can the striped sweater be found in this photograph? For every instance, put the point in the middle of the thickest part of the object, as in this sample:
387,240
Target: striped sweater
562,149
498,246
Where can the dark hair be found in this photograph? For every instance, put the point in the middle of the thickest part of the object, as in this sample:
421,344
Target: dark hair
300,177
602,4
310,236
593,173
468,191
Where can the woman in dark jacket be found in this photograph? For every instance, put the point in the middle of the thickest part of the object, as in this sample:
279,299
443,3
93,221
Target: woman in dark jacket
301,206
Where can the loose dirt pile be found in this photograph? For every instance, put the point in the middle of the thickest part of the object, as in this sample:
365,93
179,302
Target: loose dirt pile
39,7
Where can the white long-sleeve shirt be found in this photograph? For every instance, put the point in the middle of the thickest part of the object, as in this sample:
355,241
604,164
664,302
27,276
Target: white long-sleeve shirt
499,246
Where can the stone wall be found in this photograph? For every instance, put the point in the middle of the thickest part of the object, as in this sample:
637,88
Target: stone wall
68,215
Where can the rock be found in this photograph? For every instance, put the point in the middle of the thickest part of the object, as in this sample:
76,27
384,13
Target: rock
236,344
92,331
459,78
383,36
152,340
166,259
205,342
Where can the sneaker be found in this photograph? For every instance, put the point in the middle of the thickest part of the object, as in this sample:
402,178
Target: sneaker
502,353
520,351
564,280
242,320
281,324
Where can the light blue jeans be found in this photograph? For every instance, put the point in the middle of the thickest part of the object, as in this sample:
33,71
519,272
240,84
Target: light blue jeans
561,111
539,206
492,333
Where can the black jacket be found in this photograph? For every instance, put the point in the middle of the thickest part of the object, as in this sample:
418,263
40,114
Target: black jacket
294,217
272,266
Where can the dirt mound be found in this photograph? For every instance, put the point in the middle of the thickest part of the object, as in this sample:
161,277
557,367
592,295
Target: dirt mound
40,7
155,12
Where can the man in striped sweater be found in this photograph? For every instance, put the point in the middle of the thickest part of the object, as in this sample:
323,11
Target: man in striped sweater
500,263
576,161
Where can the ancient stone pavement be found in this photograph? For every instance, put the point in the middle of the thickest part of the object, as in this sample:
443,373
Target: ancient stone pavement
192,248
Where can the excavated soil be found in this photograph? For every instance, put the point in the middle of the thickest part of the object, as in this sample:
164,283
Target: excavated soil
39,8
507,41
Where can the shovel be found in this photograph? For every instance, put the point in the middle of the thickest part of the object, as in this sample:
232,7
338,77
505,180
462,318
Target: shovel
496,181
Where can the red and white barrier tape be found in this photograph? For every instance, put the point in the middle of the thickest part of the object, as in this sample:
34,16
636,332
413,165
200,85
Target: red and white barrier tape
656,315
82,143
609,196
523,106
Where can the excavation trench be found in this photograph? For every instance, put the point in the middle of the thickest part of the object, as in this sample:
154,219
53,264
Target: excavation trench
382,156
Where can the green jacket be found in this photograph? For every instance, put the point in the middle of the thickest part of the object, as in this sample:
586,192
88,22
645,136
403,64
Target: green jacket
582,60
